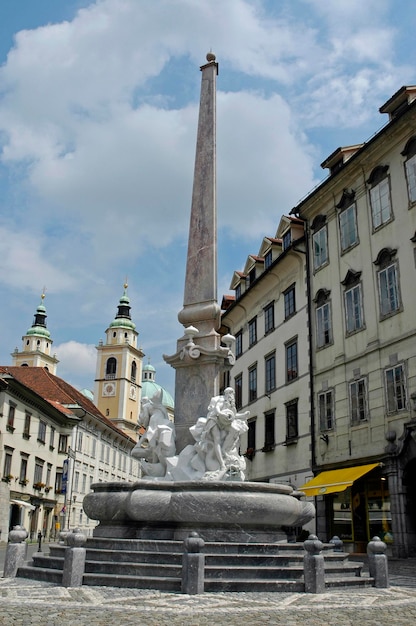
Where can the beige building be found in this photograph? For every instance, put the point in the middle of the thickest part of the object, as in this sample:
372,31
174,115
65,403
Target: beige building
268,317
361,231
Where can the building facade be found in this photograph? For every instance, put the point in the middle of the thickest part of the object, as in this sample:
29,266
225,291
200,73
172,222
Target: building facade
361,231
268,317
356,336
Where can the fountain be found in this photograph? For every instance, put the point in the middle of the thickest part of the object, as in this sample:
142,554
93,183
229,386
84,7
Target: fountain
194,475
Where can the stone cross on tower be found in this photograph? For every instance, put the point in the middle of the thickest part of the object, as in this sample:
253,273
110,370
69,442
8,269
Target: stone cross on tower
200,359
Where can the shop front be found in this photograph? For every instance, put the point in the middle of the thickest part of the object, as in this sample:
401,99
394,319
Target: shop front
353,504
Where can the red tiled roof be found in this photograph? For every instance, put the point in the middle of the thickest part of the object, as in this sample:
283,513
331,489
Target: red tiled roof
55,391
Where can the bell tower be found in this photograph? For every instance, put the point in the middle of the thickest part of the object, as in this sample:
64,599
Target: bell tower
117,390
37,343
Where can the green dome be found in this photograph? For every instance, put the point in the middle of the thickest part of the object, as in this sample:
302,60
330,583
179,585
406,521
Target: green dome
149,388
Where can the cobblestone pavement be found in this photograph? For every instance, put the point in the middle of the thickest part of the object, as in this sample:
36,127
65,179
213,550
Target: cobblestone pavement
24,602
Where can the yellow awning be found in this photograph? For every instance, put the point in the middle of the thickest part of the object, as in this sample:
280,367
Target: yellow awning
333,481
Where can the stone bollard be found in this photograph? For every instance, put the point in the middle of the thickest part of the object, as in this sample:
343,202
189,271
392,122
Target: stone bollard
314,565
16,551
62,537
74,561
377,562
337,543
193,565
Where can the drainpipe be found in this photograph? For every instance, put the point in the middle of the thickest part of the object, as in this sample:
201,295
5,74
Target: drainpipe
309,313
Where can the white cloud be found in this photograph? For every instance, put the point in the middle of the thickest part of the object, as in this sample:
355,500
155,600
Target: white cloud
26,262
77,361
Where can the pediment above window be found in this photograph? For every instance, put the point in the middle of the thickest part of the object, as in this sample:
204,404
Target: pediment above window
346,200
351,278
410,148
377,175
385,256
318,222
322,296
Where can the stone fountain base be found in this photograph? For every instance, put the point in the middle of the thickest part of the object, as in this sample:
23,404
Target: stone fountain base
217,511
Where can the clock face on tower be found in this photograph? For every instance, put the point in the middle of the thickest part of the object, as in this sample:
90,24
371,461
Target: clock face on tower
132,392
109,389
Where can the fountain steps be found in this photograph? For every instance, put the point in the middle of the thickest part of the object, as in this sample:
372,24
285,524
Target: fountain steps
153,564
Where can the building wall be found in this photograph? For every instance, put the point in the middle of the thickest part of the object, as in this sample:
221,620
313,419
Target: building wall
288,458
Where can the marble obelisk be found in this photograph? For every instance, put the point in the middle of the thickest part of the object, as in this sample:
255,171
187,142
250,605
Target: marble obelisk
200,359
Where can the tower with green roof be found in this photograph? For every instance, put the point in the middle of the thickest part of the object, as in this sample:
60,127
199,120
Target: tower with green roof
37,344
117,389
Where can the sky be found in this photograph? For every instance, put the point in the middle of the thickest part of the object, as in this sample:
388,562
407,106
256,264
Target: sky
98,119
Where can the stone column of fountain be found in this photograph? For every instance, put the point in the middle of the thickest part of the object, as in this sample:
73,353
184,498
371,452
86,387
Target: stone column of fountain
200,358
203,488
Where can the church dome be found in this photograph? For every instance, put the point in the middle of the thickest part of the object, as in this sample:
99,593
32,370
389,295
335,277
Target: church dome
150,387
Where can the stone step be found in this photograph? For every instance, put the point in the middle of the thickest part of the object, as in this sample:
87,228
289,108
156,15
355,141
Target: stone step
111,580
44,574
252,584
137,570
349,581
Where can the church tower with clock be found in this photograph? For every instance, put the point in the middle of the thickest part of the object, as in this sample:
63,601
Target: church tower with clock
117,389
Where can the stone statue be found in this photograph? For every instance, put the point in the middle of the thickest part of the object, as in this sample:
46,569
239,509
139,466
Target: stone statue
215,453
158,441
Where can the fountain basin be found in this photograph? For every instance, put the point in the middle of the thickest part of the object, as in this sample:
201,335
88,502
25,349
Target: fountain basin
218,511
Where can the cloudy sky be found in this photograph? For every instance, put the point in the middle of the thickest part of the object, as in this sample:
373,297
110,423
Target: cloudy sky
98,119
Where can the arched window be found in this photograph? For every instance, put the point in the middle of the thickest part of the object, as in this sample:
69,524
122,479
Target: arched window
111,367
133,371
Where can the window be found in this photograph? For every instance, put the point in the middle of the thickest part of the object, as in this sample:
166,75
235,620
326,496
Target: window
287,239
358,401
268,259
93,447
76,482
388,290
10,418
269,434
320,248
239,344
26,425
291,420
326,410
270,370
323,318
79,440
252,383
291,361
84,483
251,437
238,387
42,431
102,452
410,168
58,481
251,276
380,196
23,471
63,443
252,332
37,478
289,299
48,474
353,309
52,438
269,318
395,389
133,372
238,291
110,368
348,227
7,466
